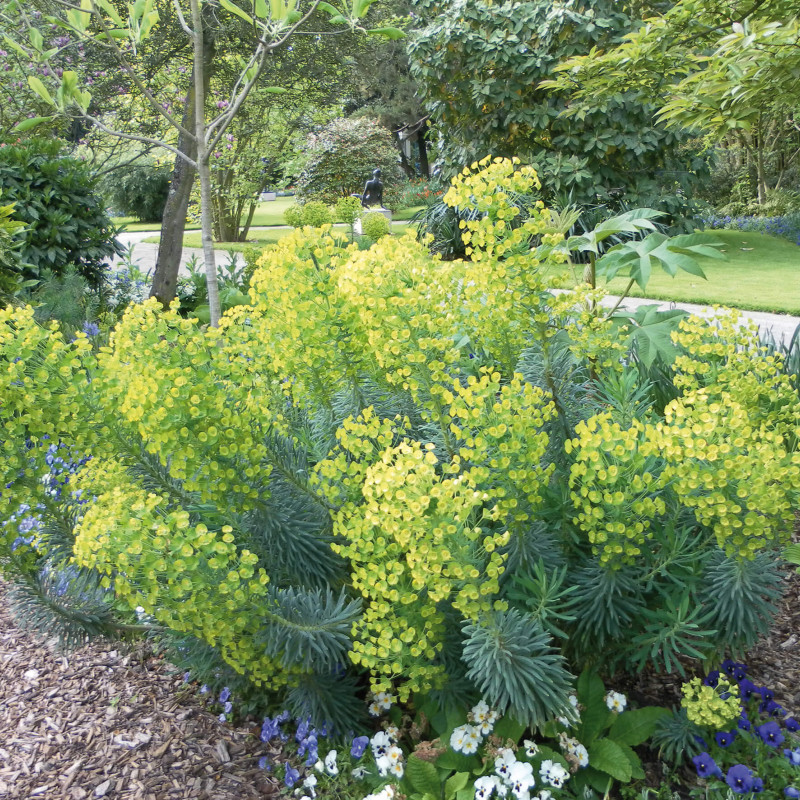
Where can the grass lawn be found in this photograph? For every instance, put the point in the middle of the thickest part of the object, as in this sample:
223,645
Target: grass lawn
260,238
267,214
761,273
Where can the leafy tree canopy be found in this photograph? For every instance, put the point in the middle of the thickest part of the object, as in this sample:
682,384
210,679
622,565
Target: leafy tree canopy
481,65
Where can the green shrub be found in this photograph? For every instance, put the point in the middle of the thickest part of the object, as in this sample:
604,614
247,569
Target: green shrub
440,474
294,216
314,213
341,158
138,190
66,222
348,210
374,225
10,262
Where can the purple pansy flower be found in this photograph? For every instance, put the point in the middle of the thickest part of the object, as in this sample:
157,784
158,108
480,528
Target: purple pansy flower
770,733
739,778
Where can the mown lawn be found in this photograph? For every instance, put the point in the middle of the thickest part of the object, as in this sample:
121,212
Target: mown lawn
761,273
258,238
267,214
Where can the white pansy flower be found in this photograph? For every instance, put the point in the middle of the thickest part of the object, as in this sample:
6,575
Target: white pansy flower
330,763
503,763
553,773
531,748
359,772
310,782
485,786
520,777
380,743
393,732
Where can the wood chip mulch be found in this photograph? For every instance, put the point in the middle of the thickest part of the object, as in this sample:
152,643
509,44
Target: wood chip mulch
110,720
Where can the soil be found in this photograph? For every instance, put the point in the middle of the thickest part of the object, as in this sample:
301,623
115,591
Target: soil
111,720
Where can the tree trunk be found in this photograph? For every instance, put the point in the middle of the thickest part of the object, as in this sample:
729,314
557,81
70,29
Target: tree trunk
203,166
173,222
424,167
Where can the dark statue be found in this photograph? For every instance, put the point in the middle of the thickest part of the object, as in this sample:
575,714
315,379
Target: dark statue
373,191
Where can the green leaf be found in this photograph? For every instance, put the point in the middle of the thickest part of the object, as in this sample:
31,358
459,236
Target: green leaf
112,12
423,776
458,762
260,8
16,47
327,7
40,89
607,756
388,33
234,9
37,40
27,124
455,783
637,726
509,728
595,714
275,89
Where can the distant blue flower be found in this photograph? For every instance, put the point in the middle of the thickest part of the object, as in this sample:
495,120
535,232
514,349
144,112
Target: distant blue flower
758,786
790,791
292,775
706,766
228,707
359,746
770,733
186,676
773,709
793,756
91,329
791,724
766,694
204,689
725,738
222,718
302,728
739,778
270,729
263,762
224,695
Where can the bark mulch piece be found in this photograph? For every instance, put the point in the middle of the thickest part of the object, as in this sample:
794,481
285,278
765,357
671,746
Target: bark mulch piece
111,721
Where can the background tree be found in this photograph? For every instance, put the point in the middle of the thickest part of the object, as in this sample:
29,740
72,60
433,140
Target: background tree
100,21
342,156
481,64
730,70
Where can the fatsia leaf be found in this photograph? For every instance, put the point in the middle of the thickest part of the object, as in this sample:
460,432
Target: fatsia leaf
650,332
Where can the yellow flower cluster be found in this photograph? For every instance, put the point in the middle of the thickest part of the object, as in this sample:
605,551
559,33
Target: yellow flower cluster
615,486
705,706
43,388
187,577
733,473
190,400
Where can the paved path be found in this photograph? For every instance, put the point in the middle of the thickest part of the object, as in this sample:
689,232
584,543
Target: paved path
782,326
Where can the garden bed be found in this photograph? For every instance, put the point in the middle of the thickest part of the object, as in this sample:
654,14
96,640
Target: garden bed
111,720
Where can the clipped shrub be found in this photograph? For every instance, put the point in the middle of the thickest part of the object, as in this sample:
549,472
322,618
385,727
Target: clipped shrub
374,225
138,190
342,156
57,199
434,477
314,213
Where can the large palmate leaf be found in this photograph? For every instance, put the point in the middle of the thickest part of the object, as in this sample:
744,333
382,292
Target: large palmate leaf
649,332
637,259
